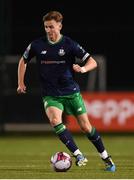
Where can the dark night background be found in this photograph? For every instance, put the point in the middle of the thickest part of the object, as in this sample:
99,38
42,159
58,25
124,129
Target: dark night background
101,27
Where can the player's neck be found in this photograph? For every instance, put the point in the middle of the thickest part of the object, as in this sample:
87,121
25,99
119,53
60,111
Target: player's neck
55,40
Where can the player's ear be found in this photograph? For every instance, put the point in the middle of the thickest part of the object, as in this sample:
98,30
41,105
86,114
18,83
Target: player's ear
60,26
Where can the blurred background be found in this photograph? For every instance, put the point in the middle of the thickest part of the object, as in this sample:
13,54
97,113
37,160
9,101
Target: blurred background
104,29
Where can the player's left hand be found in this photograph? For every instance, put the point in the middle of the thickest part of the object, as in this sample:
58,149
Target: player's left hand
78,68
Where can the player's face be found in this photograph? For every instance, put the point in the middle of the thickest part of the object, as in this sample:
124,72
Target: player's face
52,29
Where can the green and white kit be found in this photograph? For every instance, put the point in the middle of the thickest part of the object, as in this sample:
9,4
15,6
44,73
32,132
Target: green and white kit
71,104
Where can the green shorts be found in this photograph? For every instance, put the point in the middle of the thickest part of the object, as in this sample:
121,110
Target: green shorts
70,104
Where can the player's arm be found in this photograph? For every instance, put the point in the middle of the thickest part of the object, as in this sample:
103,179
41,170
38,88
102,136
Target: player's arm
90,65
21,74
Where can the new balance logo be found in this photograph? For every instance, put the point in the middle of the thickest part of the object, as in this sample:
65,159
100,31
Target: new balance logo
79,109
43,52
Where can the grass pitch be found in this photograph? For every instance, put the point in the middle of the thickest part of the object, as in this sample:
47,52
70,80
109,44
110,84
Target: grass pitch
28,157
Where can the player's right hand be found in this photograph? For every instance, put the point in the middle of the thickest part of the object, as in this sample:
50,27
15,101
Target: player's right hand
21,89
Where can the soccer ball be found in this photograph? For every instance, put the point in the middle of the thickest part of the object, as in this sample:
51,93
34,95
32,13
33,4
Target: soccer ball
61,162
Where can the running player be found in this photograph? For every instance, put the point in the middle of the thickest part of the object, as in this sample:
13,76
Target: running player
55,55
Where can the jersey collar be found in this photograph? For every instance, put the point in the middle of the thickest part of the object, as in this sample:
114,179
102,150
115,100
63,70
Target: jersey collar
53,43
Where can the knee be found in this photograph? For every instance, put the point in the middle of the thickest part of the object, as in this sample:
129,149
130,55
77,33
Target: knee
86,128
54,122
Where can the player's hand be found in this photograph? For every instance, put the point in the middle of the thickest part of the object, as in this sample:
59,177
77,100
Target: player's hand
21,89
78,68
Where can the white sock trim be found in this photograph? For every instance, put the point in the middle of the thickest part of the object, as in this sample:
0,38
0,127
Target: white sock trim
77,152
104,154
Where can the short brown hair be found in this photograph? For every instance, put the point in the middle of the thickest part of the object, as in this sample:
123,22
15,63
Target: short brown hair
53,15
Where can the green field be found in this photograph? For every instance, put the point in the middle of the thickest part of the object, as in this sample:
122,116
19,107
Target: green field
28,156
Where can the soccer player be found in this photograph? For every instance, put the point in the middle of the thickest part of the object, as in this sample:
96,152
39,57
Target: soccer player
55,55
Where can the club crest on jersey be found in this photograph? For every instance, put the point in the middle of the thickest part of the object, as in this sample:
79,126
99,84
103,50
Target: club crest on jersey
61,52
43,52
